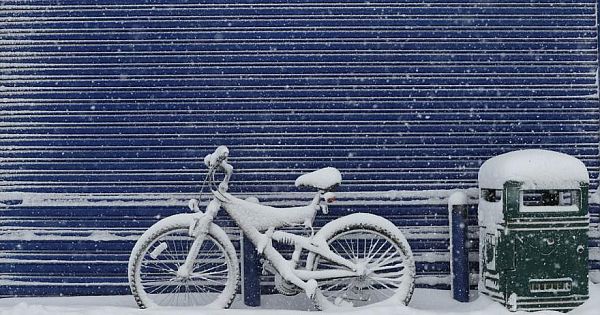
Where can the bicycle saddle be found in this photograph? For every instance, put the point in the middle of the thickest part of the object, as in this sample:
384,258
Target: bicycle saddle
325,179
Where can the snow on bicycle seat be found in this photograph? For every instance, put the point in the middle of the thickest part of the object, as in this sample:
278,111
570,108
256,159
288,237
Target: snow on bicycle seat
325,179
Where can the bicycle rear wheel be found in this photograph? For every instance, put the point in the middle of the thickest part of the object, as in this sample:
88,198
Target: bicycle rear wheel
376,246
163,248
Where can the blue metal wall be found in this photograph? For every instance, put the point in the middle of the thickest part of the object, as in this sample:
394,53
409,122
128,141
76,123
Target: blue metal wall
107,108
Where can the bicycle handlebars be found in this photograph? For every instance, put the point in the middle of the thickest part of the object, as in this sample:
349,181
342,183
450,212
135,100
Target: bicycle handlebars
215,159
218,160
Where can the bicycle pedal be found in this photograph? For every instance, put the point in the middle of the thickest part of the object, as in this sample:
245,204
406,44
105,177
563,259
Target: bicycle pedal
267,268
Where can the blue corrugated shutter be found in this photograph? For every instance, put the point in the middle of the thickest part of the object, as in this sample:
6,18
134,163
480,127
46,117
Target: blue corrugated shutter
107,108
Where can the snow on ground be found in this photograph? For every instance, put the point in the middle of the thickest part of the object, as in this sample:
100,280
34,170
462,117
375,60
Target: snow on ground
424,302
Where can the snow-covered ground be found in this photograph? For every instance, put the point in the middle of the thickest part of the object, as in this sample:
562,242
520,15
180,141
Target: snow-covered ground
424,302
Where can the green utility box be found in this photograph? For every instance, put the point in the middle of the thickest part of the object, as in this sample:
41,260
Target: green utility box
533,219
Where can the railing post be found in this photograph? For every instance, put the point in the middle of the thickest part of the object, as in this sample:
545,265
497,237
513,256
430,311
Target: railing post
459,251
251,269
250,273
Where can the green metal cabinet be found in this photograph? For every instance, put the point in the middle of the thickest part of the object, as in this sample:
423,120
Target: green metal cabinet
534,249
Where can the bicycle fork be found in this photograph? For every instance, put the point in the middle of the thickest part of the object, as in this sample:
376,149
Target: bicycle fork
198,229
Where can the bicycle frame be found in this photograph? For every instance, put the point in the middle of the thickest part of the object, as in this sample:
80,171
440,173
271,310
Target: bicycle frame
303,278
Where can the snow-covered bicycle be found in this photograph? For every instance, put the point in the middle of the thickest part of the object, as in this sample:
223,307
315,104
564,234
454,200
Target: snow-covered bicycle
187,260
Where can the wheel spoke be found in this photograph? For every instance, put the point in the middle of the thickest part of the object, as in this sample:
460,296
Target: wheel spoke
347,246
343,289
378,261
375,251
335,282
396,278
348,255
389,259
371,248
383,284
390,270
210,269
380,292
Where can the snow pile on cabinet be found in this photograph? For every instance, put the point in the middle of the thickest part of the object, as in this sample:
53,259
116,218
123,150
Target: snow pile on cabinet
537,169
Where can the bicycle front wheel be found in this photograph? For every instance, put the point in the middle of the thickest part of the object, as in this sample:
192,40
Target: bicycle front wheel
160,252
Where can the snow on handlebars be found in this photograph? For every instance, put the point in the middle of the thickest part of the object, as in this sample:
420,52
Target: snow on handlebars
214,159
